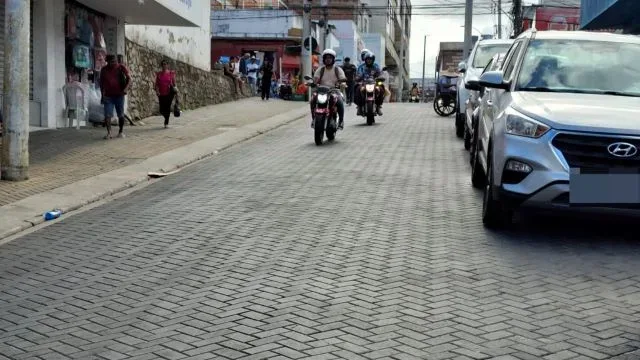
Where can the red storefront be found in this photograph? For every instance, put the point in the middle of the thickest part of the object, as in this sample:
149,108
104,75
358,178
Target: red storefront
277,48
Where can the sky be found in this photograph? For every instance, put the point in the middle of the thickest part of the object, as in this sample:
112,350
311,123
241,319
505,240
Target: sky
447,28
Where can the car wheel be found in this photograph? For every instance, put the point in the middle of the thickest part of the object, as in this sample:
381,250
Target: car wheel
495,215
459,127
467,137
478,177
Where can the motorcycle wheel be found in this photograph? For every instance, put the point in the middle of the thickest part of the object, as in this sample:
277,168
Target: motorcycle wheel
318,129
370,114
332,130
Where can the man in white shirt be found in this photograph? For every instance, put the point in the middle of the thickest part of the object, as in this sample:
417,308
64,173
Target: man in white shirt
330,75
252,74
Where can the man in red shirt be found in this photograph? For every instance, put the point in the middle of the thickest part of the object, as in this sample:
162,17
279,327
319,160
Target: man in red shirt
114,83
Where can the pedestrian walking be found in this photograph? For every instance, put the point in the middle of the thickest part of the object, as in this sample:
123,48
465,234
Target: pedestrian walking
350,72
252,75
114,83
166,90
267,74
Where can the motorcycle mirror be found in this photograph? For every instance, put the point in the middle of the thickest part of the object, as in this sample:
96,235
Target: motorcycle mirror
307,77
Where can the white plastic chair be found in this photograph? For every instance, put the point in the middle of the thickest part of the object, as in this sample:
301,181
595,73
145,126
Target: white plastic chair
75,103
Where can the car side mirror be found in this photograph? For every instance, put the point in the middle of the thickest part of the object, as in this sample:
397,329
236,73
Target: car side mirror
473,85
493,80
462,67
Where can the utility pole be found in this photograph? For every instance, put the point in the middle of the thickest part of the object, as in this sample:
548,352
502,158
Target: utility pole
424,60
325,22
499,19
307,63
402,51
15,143
468,23
516,11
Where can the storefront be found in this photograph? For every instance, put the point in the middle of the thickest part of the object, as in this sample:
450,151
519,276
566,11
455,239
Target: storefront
70,39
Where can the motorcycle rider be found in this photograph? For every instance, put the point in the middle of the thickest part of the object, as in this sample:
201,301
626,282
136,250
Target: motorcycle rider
367,70
414,90
330,75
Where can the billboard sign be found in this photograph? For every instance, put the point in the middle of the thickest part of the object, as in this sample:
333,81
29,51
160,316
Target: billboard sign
554,18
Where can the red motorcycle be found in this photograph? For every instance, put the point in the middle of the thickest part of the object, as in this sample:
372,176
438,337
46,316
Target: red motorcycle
325,114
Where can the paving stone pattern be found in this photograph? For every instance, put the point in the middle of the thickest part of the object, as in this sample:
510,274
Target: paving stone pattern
368,248
64,156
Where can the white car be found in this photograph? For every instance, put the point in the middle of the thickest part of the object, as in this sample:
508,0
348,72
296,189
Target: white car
482,53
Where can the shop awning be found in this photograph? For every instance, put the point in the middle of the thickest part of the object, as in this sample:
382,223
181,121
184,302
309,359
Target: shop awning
290,61
147,12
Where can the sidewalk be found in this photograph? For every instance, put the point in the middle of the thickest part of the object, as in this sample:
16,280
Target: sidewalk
63,157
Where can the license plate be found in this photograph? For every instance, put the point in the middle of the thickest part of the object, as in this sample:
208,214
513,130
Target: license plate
612,189
321,110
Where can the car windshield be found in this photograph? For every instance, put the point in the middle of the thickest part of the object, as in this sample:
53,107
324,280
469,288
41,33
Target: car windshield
484,53
583,66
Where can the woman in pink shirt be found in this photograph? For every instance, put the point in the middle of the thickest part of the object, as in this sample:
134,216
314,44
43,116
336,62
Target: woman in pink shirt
166,90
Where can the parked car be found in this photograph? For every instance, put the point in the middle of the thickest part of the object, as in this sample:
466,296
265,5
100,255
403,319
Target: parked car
477,101
564,109
480,56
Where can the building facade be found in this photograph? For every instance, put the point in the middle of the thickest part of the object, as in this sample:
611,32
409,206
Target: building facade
70,39
392,19
621,16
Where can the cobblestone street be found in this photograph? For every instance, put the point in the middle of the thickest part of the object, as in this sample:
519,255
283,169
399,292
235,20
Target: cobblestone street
371,247
64,156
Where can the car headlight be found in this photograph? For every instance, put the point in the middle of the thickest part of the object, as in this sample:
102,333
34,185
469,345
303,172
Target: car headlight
521,126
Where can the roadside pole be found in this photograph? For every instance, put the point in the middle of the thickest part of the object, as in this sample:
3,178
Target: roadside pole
424,60
499,19
468,21
15,110
307,63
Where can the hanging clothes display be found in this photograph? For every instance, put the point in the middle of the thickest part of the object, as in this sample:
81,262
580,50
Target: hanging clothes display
97,24
82,57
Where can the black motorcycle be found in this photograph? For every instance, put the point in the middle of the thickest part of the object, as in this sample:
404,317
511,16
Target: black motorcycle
372,89
325,114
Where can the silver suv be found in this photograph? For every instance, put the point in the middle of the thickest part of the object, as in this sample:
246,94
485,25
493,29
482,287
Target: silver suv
482,53
562,128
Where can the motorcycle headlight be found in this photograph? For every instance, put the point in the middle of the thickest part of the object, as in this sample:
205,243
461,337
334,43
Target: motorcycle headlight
322,98
369,87
522,126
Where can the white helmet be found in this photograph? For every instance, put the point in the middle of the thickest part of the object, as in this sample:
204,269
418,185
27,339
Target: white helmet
364,53
329,52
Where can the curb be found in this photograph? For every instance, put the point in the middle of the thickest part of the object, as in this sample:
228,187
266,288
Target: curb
28,212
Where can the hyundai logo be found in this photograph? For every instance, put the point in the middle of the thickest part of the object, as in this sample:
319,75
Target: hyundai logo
622,149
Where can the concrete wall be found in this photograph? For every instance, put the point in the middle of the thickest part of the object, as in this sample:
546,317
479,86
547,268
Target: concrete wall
188,44
48,61
196,87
